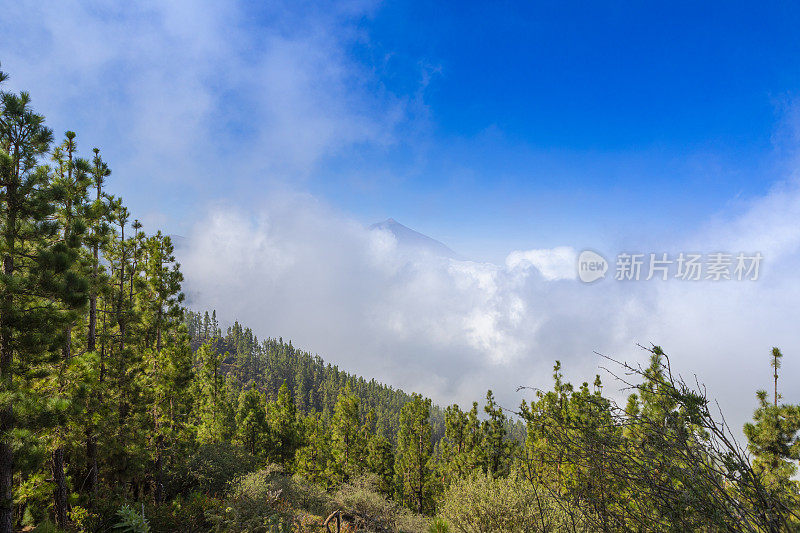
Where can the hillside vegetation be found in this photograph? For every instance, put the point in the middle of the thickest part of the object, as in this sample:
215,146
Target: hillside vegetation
122,411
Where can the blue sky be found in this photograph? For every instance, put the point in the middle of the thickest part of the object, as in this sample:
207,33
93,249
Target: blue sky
541,118
490,126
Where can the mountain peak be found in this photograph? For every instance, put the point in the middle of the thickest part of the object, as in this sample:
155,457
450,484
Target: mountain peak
409,238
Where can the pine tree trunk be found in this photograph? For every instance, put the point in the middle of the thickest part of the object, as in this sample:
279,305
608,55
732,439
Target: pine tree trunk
91,462
158,332
6,413
67,348
6,424
159,492
60,490
6,470
91,339
120,320
776,388
103,347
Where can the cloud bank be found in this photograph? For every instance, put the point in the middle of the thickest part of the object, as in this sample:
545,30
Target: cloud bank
452,329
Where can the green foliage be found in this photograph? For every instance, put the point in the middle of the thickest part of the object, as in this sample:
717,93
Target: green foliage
34,496
314,458
498,449
83,519
439,525
187,514
413,467
283,426
662,463
251,422
253,504
348,443
361,499
214,409
47,527
314,385
263,501
380,462
488,504
462,448
129,521
211,468
42,288
361,502
774,440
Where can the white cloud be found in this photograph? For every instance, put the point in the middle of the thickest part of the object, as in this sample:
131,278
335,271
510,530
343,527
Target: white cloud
444,327
451,329
556,263
191,99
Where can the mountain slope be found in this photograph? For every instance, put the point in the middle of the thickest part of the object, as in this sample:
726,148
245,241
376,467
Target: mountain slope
408,238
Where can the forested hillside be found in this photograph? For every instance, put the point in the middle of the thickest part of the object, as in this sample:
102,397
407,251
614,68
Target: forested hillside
314,385
122,411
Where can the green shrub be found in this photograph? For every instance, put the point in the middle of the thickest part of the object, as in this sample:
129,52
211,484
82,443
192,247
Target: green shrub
46,527
410,522
267,500
210,469
129,521
187,514
82,519
304,495
361,499
438,525
484,504
34,496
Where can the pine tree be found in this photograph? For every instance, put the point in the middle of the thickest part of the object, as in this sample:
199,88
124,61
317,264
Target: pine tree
499,451
414,452
313,458
38,287
282,417
774,440
348,444
163,294
97,218
776,365
462,448
380,461
211,394
71,181
251,422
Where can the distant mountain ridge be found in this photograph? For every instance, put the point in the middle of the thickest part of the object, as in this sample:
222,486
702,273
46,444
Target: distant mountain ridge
407,237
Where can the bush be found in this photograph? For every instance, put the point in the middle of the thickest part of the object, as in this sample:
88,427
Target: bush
210,469
265,501
46,527
129,521
186,514
484,504
82,519
438,525
304,495
34,496
410,522
371,511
